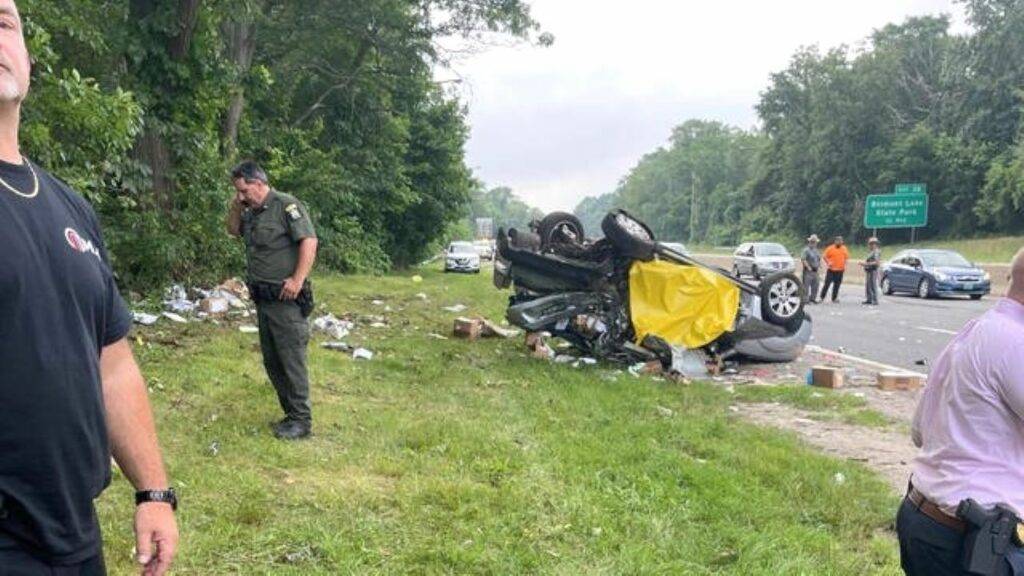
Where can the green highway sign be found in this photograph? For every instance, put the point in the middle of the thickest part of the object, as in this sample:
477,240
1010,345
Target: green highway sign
911,189
896,211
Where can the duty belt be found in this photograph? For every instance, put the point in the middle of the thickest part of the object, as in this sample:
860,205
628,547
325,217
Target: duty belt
932,510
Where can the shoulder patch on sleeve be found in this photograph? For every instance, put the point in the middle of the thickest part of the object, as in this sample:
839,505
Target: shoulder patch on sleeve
293,211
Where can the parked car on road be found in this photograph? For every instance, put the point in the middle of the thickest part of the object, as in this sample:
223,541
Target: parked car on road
933,273
462,257
760,259
485,248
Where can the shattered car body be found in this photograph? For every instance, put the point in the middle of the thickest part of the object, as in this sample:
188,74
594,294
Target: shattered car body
627,298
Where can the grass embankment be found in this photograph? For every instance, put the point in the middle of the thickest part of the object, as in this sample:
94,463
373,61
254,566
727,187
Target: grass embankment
980,250
448,457
821,404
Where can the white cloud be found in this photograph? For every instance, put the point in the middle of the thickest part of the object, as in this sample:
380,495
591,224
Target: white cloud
560,123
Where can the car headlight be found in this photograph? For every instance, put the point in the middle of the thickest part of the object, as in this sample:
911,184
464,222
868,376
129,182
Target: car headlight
987,277
941,277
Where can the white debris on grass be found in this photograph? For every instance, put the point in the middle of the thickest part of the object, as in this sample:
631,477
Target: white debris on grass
333,327
145,319
248,329
336,346
362,354
456,308
174,317
666,412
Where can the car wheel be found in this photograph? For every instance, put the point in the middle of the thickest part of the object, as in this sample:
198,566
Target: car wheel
977,296
924,289
629,236
560,228
782,299
886,286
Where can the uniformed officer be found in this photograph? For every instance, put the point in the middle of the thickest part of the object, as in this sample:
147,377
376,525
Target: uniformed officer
280,250
968,426
871,265
810,258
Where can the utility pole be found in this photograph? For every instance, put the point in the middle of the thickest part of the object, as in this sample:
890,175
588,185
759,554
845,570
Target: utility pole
693,204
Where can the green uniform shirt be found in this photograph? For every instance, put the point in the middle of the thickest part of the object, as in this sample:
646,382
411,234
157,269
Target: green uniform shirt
272,233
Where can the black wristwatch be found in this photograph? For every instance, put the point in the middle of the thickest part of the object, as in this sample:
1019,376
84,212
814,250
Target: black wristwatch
167,496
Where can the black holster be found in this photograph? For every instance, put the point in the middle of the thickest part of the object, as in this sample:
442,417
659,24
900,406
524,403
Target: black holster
989,538
271,292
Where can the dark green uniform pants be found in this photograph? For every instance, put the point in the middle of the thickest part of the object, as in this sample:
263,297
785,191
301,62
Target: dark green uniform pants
284,335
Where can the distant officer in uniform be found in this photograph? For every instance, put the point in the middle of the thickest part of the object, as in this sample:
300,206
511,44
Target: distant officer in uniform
969,425
871,265
810,258
280,250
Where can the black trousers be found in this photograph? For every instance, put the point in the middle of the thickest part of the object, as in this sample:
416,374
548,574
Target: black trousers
928,548
17,562
834,280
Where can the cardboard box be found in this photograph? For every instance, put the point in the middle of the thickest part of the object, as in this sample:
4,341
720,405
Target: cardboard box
900,381
827,377
468,328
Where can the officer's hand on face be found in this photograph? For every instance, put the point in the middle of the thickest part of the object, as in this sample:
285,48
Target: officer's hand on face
291,288
156,537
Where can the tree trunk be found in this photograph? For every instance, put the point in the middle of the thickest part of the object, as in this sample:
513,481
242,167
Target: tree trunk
240,38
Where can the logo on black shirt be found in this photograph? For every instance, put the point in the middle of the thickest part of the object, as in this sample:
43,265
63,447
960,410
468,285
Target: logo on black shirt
80,244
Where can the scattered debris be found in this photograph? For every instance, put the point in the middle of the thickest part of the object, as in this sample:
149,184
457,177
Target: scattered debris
362,354
468,328
379,325
921,362
456,308
417,279
248,329
491,329
688,363
174,317
336,346
899,381
666,412
585,362
827,377
564,359
145,319
536,342
333,327
839,478
214,448
214,305
437,336
422,296
378,302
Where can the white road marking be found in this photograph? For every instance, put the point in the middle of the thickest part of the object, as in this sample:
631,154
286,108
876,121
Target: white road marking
877,365
937,330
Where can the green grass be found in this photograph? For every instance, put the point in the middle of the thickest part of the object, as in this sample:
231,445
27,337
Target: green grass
449,457
980,250
821,403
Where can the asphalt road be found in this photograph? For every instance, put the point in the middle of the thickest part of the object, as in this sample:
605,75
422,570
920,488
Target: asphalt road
900,331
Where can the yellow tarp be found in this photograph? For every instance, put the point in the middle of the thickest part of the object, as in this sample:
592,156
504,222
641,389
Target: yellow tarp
683,305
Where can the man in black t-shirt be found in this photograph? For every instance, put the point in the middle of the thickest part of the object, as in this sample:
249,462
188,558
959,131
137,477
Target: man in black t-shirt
71,393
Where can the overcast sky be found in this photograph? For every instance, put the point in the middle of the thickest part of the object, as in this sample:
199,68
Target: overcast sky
560,123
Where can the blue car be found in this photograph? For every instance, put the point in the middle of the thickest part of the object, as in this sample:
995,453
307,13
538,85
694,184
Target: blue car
933,273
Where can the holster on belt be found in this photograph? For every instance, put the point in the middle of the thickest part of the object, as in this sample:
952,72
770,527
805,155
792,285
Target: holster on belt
991,533
271,292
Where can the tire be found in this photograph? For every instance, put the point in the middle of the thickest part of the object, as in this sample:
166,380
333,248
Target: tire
560,228
630,237
924,289
782,300
886,286
977,296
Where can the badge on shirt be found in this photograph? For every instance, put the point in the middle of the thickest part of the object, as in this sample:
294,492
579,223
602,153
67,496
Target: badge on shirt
293,212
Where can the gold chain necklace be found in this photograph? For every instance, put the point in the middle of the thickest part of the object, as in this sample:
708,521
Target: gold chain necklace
35,180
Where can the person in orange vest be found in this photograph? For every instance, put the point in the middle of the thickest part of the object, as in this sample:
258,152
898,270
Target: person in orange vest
835,257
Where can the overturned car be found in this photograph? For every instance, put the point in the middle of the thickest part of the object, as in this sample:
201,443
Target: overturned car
628,298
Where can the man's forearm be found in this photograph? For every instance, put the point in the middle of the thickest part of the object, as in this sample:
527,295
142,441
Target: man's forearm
130,419
307,256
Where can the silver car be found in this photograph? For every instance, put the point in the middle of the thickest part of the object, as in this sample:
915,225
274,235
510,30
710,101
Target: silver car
462,257
760,259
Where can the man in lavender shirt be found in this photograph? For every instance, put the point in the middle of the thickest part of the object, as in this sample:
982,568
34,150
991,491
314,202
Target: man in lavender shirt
969,426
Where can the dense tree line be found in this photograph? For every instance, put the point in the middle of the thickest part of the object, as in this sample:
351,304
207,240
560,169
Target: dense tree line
143,105
917,104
